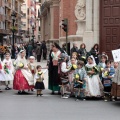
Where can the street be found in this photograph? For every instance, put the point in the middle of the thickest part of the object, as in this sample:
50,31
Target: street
52,107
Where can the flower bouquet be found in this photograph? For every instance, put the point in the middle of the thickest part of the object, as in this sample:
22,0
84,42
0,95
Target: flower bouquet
73,67
20,65
40,73
95,69
106,73
6,68
77,82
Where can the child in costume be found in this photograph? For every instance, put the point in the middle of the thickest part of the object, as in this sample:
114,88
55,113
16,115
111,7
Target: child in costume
32,66
94,87
80,76
102,64
114,82
73,67
107,75
39,77
8,70
63,72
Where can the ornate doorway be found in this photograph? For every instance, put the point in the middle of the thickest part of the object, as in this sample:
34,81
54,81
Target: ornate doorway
109,25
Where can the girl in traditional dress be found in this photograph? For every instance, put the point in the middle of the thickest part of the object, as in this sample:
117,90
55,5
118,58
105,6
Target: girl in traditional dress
94,87
2,74
54,80
8,70
23,78
39,77
32,66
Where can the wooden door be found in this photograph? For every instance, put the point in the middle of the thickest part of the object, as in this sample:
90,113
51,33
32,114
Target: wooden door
109,25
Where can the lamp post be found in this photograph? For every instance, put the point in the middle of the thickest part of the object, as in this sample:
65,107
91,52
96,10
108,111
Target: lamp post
13,16
33,29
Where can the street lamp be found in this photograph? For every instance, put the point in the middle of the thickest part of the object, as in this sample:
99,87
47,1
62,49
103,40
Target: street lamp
33,29
13,16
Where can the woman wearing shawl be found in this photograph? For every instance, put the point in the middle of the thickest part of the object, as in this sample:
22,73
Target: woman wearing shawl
94,87
54,80
23,78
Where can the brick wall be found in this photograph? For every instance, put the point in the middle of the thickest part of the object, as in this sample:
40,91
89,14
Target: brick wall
67,8
56,22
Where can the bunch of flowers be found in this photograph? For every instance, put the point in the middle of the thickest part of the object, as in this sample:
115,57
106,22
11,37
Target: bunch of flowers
74,67
20,65
40,73
6,68
106,72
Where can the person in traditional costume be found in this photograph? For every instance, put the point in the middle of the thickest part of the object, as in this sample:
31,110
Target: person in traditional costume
114,82
102,64
54,79
38,79
63,72
32,66
80,77
2,74
94,87
23,78
8,70
107,75
73,67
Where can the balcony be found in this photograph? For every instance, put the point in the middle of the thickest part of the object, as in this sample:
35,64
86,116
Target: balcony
3,31
8,18
2,17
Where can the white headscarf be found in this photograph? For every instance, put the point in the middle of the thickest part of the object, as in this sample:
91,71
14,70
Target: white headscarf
19,59
91,65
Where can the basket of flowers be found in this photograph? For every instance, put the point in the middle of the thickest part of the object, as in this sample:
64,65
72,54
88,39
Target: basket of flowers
6,67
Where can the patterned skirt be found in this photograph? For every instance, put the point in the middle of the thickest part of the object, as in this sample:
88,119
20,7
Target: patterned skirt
20,82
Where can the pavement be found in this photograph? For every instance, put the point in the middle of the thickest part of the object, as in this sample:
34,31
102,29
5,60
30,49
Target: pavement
52,107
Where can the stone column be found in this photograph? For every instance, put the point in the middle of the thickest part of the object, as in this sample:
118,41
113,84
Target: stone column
88,38
89,5
96,20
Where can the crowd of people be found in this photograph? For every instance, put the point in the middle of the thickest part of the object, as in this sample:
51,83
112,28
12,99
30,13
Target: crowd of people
83,74
37,49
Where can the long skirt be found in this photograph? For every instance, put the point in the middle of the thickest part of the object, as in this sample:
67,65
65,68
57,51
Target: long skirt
54,80
115,90
94,87
20,82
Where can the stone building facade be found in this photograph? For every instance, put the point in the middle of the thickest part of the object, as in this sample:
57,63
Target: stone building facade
90,22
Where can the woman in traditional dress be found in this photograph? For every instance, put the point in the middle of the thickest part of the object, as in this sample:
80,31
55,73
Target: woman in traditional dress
8,70
94,87
23,78
54,80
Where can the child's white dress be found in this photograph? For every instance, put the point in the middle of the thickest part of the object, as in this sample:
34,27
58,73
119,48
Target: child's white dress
8,76
2,75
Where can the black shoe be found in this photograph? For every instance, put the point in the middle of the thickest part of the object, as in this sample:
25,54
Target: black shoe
7,88
19,92
52,93
23,92
40,94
